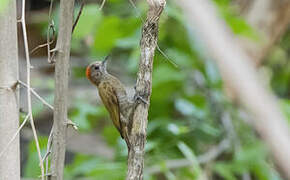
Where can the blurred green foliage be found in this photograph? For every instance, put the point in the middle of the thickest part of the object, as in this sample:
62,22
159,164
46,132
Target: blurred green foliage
3,5
32,169
277,67
187,105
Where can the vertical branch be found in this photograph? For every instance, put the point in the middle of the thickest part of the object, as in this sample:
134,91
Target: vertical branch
29,105
79,15
137,135
240,74
9,113
61,88
50,26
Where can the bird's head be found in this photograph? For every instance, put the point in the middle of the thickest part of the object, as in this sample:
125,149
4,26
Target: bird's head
96,71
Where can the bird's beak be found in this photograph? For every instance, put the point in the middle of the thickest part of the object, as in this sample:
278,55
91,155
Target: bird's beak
104,62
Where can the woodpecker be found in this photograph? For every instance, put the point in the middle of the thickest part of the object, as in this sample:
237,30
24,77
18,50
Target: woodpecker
113,95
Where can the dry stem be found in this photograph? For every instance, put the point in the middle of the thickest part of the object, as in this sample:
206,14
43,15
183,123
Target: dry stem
61,88
138,125
28,66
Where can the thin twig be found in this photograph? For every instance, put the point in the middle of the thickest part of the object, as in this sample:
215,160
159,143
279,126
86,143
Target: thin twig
28,66
38,47
69,122
166,57
139,15
79,15
48,43
48,152
102,5
46,156
36,95
15,135
50,26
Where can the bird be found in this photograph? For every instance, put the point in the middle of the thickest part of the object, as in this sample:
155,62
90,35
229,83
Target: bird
113,94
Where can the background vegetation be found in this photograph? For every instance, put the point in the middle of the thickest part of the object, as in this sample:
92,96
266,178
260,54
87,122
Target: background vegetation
190,113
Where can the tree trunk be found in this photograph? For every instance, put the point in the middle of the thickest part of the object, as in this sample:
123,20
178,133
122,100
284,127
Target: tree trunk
9,112
137,134
61,88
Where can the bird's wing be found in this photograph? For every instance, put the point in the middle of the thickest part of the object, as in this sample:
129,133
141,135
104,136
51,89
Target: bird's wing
111,102
121,95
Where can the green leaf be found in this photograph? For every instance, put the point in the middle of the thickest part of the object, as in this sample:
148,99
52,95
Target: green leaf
83,112
177,129
189,154
114,31
189,109
209,129
88,21
31,168
174,12
224,171
107,34
251,154
95,168
237,23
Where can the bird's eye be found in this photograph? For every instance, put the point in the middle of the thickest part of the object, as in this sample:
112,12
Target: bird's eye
96,67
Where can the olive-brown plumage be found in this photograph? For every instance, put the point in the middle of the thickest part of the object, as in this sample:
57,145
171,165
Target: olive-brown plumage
112,93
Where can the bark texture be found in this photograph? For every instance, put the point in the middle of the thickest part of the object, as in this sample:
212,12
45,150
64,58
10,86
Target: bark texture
61,88
138,124
9,113
240,73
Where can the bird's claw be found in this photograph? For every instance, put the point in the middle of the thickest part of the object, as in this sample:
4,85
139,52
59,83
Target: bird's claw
138,97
